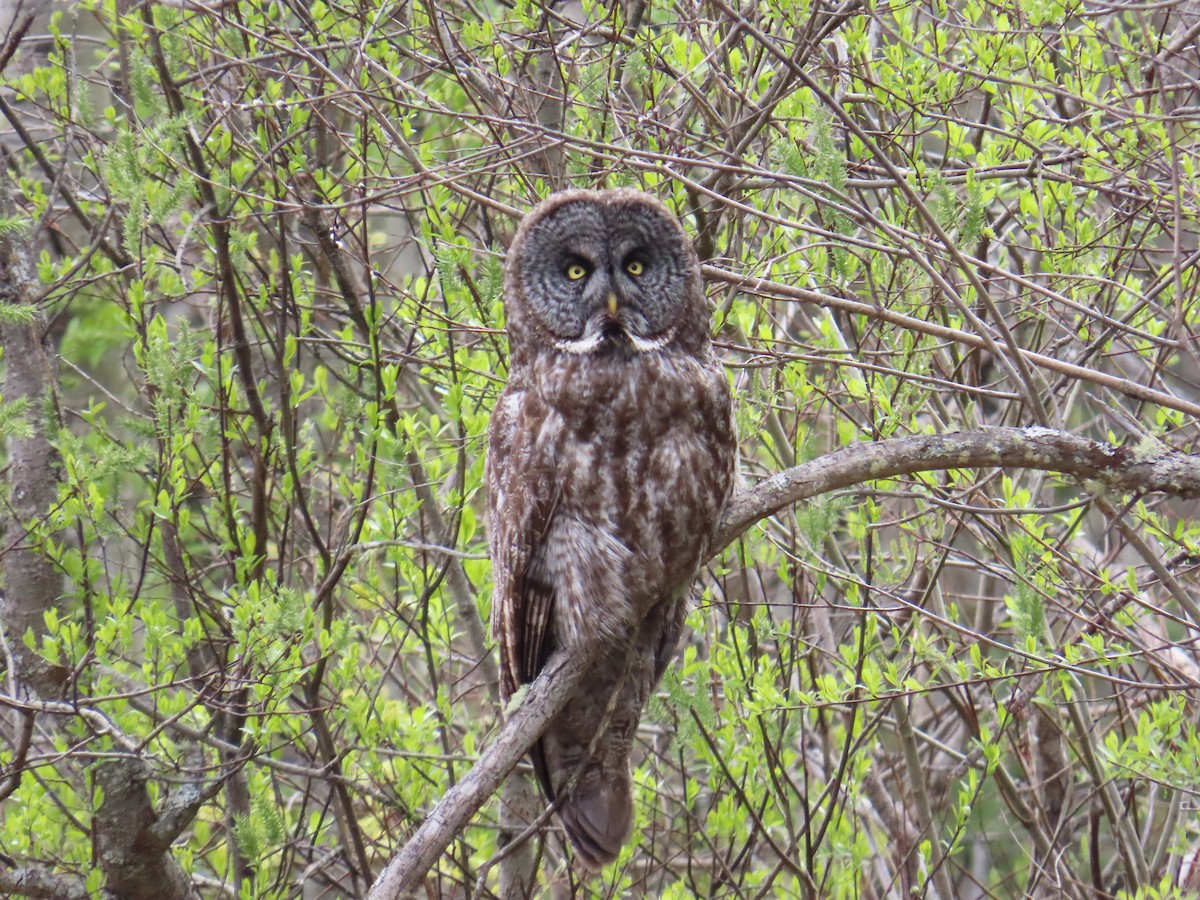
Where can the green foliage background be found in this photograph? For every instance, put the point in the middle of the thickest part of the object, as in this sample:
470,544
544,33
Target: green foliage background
270,238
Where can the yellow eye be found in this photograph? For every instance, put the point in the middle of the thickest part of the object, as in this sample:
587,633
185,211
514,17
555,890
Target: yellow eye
575,271
634,267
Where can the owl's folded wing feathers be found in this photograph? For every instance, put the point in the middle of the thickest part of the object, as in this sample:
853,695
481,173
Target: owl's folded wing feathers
522,494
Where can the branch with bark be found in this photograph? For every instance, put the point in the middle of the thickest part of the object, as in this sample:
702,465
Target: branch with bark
1108,467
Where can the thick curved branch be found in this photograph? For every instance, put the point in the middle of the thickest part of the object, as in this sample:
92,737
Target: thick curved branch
544,698
41,883
1120,469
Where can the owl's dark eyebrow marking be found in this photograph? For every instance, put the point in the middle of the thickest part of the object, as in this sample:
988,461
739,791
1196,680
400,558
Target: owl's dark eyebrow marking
574,259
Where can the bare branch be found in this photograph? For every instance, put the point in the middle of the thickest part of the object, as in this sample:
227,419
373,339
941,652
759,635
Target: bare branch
545,697
1115,468
37,882
137,861
32,582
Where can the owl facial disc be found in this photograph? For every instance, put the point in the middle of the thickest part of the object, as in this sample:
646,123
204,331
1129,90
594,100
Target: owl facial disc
606,276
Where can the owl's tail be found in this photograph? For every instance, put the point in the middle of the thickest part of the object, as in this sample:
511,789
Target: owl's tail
595,805
598,821
588,773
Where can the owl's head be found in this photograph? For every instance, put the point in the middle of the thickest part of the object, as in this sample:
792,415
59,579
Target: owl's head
603,271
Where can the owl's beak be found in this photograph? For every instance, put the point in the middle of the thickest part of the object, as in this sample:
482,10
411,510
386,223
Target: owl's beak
612,304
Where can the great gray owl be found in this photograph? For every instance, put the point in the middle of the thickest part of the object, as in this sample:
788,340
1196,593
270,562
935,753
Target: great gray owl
612,454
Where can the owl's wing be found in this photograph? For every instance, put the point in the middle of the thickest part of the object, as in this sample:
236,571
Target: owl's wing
522,494
668,618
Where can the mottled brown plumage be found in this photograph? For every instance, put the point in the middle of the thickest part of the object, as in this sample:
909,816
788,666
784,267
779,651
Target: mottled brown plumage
612,452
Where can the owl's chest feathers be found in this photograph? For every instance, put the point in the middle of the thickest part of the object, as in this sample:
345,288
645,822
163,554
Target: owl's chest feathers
620,396
640,458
